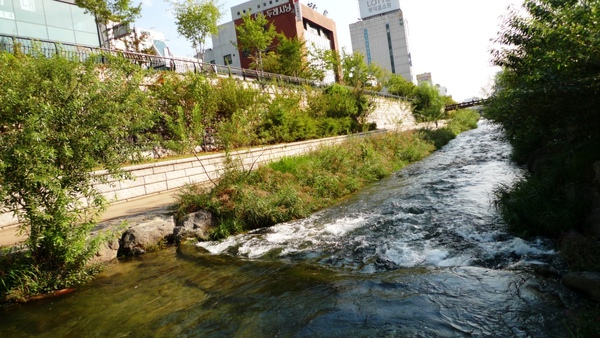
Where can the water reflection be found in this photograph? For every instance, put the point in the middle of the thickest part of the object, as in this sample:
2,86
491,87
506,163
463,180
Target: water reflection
421,254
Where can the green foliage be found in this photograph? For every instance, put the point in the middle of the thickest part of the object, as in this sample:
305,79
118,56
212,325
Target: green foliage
186,106
106,11
20,278
581,253
284,121
398,85
534,207
61,120
349,106
460,121
234,96
356,73
288,58
428,104
254,36
339,102
295,187
546,98
195,19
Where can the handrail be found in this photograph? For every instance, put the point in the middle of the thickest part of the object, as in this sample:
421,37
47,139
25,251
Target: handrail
466,104
157,62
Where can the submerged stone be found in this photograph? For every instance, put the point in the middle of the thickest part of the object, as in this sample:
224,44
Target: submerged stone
586,282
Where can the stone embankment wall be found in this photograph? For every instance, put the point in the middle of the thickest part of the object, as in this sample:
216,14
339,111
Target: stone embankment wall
158,177
153,178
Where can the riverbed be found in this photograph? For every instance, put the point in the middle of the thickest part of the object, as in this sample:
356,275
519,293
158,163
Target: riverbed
422,253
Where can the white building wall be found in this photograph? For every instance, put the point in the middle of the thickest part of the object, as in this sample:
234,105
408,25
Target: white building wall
316,40
222,46
375,45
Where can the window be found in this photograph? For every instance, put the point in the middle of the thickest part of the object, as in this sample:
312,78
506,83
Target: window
367,46
48,20
227,60
389,38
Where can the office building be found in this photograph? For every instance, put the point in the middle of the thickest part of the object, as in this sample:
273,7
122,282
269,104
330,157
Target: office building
427,78
381,36
47,20
289,17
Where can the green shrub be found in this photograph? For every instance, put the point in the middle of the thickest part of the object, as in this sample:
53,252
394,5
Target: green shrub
62,120
293,188
186,106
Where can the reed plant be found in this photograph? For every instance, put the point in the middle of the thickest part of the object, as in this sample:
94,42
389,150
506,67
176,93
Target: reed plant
294,187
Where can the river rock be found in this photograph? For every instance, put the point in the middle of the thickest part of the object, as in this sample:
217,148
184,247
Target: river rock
107,252
592,222
147,234
597,171
587,282
536,160
196,225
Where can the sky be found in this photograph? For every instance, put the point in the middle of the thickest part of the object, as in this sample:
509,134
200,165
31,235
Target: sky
449,39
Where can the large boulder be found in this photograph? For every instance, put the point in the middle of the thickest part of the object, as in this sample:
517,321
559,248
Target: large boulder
597,171
194,226
147,235
586,282
537,160
592,222
107,252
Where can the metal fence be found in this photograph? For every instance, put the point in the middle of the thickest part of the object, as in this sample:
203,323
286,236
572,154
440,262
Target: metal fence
148,61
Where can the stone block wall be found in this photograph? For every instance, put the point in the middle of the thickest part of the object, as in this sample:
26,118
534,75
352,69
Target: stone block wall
158,177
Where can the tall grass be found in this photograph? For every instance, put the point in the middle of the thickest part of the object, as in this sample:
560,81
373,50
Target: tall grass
295,187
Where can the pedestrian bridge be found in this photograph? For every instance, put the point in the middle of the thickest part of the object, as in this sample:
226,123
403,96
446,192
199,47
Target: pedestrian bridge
466,104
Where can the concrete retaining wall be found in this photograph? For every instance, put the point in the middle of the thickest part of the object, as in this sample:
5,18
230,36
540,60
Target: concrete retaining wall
158,177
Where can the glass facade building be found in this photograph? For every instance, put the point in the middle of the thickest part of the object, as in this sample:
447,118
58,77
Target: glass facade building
48,20
383,40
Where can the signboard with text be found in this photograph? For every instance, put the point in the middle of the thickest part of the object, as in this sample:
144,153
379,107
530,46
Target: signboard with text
375,7
298,10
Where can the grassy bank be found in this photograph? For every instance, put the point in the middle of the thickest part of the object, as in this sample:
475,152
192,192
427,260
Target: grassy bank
295,187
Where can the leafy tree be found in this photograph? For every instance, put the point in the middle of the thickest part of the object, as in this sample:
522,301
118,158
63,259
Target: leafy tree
327,59
428,104
254,36
60,121
288,58
356,73
195,19
107,11
398,85
550,63
547,100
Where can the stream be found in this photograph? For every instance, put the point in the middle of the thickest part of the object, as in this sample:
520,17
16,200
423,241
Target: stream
422,253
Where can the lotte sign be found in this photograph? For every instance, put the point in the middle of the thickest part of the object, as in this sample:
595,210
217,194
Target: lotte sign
375,7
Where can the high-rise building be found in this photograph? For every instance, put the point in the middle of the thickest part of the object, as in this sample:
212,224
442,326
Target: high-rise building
47,21
382,36
289,17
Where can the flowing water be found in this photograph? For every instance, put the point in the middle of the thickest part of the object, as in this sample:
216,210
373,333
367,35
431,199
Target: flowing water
420,254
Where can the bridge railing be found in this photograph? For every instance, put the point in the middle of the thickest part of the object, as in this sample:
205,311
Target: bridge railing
148,61
466,104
